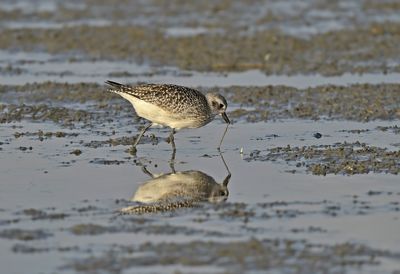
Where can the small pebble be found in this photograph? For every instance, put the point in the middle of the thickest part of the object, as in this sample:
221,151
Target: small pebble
317,135
76,152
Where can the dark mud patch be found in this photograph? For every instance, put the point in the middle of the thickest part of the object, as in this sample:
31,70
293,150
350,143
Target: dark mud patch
44,135
355,131
124,141
251,255
381,6
100,161
340,158
36,214
395,129
248,215
64,92
357,50
133,227
76,152
360,102
89,229
24,234
62,103
65,116
28,249
229,247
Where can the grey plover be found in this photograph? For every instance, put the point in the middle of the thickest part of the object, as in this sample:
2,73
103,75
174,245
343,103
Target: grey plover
173,106
176,190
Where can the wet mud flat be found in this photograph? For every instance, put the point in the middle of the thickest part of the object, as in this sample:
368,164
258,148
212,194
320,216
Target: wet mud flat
70,179
308,178
277,38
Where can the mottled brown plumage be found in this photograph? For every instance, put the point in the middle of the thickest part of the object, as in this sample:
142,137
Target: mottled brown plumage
171,105
172,98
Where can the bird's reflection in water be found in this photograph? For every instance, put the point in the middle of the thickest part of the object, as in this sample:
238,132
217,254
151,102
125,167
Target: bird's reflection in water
167,192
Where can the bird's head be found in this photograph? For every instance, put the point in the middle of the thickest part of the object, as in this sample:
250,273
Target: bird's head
218,105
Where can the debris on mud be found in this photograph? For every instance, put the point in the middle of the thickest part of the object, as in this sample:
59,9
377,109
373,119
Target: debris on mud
88,229
268,50
340,158
24,234
29,249
395,129
360,102
44,112
76,152
44,135
36,214
251,255
66,198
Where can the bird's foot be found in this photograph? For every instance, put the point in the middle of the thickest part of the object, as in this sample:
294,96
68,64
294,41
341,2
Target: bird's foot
132,150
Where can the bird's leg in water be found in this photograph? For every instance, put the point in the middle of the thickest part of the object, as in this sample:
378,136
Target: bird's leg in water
223,135
172,161
145,128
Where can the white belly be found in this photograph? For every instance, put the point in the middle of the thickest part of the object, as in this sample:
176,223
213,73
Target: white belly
159,116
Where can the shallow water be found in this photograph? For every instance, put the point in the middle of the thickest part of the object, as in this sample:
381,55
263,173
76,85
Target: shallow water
361,209
40,67
75,198
68,181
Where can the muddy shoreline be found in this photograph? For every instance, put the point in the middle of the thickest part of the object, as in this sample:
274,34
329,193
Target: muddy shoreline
254,104
307,180
269,51
218,36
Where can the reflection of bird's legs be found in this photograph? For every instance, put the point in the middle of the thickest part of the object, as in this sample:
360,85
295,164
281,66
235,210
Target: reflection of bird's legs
226,180
228,177
133,149
144,169
172,166
172,161
223,160
172,140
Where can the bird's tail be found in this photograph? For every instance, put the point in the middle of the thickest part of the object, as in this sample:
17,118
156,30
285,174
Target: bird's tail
115,84
123,90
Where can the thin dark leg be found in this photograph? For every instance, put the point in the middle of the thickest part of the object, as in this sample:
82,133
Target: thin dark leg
144,169
223,135
141,134
133,148
172,161
172,140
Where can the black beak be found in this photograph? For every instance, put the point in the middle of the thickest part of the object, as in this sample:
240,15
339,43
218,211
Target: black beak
226,119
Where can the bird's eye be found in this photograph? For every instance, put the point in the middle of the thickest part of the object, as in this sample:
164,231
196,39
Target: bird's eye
221,105
222,193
